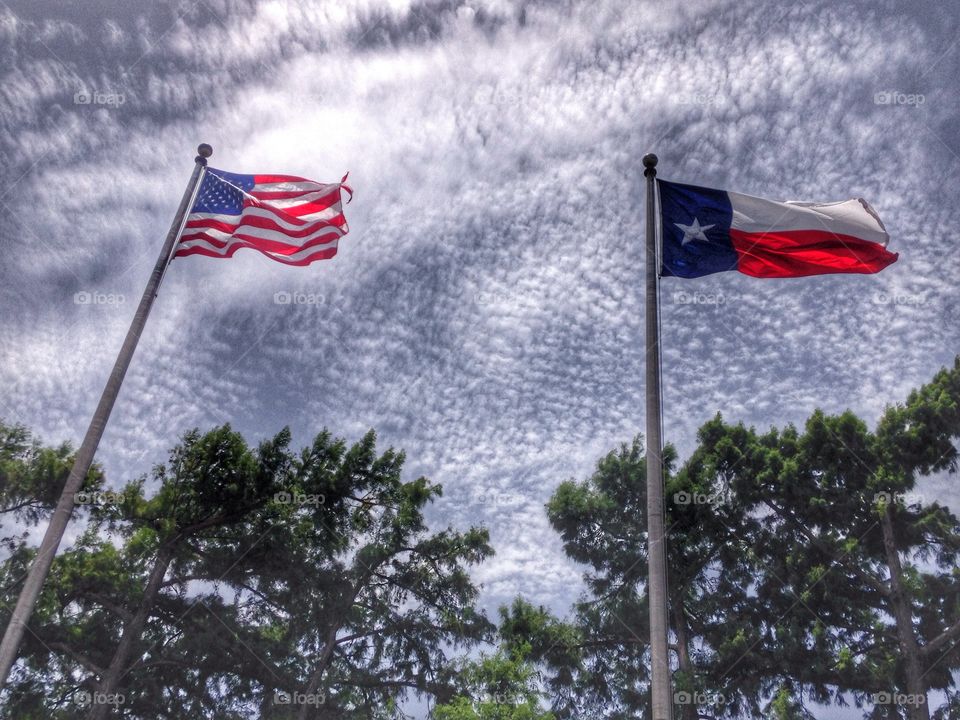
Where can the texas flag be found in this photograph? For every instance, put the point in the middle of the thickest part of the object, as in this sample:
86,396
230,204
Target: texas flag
707,231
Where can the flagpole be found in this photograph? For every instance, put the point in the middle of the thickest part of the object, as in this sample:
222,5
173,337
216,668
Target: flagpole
84,457
661,700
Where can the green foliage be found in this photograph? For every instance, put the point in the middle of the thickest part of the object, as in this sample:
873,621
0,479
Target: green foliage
785,706
501,686
32,475
780,579
286,576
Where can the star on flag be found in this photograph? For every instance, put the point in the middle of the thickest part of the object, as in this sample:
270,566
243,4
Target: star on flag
696,231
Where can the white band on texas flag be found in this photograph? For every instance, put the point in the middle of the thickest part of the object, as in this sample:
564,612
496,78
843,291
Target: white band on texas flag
707,231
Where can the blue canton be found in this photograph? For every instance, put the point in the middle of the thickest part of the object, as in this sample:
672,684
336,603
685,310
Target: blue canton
222,198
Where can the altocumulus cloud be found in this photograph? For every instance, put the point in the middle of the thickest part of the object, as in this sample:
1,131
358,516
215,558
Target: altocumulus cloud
485,311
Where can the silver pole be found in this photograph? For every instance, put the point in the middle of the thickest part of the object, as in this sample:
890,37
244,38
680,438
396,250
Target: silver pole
84,457
661,700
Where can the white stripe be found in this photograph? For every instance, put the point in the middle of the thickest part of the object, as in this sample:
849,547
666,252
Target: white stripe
326,214
229,219
301,200
290,186
307,252
847,217
263,212
222,252
261,234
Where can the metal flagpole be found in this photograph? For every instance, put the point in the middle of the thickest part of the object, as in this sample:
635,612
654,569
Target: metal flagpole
662,702
84,457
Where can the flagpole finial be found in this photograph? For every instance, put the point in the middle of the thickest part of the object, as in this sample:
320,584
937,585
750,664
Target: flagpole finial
650,163
203,152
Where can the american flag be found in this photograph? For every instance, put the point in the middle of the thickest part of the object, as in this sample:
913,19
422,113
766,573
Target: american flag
289,219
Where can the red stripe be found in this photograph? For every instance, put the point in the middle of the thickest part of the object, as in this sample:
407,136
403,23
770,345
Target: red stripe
276,246
319,255
295,211
266,224
798,253
305,209
324,254
260,179
287,214
326,200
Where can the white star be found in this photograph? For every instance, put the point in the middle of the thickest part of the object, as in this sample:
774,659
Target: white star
694,232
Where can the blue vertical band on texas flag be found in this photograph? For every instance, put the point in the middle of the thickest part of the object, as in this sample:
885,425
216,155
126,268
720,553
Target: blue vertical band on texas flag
696,238
706,231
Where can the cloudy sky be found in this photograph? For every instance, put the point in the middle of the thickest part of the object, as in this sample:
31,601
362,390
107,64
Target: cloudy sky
485,312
